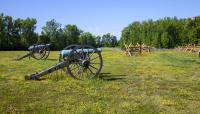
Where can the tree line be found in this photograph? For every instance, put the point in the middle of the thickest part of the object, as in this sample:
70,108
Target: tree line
163,33
19,34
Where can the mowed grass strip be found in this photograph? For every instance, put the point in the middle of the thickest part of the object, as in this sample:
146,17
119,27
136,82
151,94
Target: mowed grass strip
157,82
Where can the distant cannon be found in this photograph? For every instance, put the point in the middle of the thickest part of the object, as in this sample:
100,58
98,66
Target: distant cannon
80,61
38,52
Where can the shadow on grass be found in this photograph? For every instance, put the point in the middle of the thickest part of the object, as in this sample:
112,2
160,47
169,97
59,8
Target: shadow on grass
103,76
52,59
40,79
191,61
110,77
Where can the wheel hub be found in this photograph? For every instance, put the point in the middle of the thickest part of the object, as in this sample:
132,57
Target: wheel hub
85,63
40,51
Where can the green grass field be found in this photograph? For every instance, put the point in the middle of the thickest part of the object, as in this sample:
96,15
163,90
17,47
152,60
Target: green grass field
159,82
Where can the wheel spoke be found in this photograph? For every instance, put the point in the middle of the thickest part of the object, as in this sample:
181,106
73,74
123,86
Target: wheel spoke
78,72
83,76
82,73
82,53
86,72
94,63
94,58
94,67
88,75
90,70
74,68
91,54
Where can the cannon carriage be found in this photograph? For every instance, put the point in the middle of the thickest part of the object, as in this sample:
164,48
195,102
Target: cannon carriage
79,61
37,51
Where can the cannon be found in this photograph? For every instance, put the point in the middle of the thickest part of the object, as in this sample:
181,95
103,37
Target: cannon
37,51
79,61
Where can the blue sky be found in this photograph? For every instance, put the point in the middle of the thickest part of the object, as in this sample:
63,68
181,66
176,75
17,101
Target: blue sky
98,16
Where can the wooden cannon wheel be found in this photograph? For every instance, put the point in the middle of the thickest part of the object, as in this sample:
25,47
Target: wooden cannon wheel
47,52
42,53
84,65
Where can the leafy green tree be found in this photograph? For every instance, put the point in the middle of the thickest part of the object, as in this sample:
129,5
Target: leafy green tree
71,34
165,40
2,32
51,31
113,41
44,38
125,37
163,33
8,31
87,38
98,41
17,33
28,35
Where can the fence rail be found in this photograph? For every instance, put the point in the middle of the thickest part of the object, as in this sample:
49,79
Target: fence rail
134,49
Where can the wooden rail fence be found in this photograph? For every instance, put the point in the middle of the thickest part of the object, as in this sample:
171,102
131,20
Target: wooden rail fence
191,48
134,49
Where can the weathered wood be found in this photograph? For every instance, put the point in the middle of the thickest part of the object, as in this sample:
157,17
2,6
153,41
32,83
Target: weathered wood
133,49
191,48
